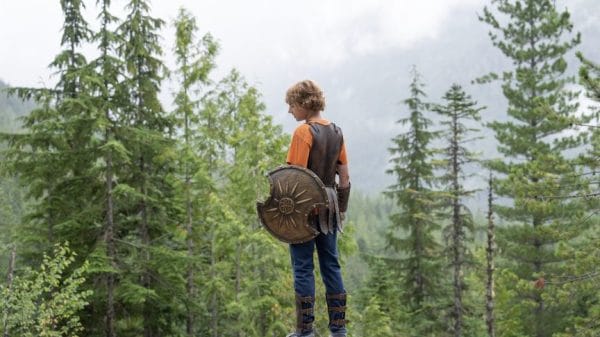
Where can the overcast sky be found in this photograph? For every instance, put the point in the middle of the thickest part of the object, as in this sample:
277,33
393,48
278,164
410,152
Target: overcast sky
266,40
360,51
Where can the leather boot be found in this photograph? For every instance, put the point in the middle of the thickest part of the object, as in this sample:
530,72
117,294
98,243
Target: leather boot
305,316
336,307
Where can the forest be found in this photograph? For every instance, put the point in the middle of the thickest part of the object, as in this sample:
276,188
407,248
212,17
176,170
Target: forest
122,217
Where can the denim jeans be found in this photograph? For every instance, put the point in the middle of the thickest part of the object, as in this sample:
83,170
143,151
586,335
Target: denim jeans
303,266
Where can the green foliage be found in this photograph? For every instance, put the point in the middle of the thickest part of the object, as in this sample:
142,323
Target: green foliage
54,155
251,146
458,111
536,175
380,303
376,322
589,77
411,234
46,302
582,276
193,183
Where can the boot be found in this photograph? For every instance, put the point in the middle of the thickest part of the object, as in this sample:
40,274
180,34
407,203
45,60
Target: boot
305,316
336,307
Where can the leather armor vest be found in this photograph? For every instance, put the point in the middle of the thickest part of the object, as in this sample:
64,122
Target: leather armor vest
322,160
325,151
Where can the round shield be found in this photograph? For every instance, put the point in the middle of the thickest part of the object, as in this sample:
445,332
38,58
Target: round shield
295,192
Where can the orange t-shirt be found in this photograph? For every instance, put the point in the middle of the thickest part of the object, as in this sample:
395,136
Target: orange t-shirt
301,143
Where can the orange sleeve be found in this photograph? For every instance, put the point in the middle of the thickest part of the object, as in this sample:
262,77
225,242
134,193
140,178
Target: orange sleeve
343,159
300,146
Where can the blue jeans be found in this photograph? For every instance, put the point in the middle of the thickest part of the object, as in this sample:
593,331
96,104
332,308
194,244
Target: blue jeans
303,266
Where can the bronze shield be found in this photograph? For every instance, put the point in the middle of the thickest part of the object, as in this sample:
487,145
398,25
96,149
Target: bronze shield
295,193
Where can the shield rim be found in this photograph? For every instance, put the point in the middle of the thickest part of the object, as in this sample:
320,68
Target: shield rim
259,205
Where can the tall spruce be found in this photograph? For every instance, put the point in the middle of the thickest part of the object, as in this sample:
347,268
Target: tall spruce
257,146
55,154
412,231
108,71
241,283
151,286
195,60
459,113
532,34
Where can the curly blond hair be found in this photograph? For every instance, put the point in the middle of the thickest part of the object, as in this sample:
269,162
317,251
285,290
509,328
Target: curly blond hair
307,94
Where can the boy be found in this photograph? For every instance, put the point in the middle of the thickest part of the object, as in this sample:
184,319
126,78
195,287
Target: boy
319,146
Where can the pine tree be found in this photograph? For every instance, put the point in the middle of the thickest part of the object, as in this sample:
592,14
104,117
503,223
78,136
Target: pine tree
582,276
532,34
151,286
54,156
107,70
420,263
246,266
217,250
458,111
257,146
195,61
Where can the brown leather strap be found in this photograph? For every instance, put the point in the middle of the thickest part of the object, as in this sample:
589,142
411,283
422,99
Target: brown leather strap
343,195
341,296
337,309
339,322
301,312
308,299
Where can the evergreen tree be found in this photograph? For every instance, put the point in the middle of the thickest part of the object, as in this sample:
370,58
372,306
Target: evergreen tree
582,276
458,110
531,33
420,263
258,146
55,155
151,286
107,70
247,266
195,61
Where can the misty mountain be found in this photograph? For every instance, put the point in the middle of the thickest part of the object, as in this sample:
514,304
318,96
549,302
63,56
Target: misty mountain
11,109
365,94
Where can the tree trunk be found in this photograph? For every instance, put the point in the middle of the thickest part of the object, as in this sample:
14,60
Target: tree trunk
457,236
191,289
490,251
110,225
145,238
110,250
214,321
